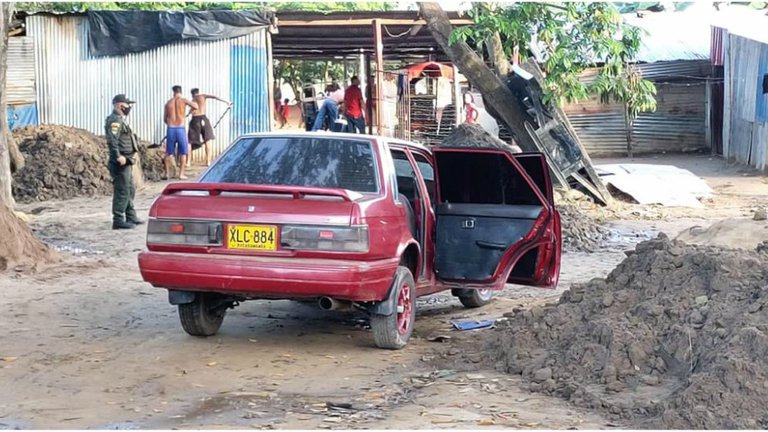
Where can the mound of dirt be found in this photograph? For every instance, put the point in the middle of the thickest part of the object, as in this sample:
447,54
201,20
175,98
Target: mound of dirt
17,243
152,162
729,233
473,135
674,338
62,162
580,232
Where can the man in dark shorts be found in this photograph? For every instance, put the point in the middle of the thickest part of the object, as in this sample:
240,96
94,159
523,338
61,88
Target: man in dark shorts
200,128
176,136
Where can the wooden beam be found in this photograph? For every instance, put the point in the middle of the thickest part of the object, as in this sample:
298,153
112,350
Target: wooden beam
379,75
271,80
362,22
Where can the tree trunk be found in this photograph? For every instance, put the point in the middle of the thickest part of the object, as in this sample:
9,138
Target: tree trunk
497,56
6,10
17,159
494,91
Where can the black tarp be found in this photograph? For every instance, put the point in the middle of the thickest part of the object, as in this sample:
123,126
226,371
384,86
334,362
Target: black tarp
124,32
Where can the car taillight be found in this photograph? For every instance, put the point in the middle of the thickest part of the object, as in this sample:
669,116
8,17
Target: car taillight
325,238
184,233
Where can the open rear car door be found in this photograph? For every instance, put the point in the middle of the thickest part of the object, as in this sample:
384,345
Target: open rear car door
496,219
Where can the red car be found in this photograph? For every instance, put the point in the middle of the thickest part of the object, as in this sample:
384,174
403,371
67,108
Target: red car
351,221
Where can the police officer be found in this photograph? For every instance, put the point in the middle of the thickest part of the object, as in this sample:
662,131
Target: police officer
122,155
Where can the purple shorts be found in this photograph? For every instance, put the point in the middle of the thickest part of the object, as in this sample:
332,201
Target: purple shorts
176,137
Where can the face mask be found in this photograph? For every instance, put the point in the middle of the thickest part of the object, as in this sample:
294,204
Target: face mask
126,109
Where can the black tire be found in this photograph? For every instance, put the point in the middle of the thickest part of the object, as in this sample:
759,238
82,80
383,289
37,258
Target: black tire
474,298
394,331
199,317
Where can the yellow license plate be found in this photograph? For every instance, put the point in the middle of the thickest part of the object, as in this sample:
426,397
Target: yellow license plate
252,237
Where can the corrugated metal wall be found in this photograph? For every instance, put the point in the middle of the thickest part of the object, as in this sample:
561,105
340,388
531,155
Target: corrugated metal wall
20,84
678,125
746,132
76,89
250,91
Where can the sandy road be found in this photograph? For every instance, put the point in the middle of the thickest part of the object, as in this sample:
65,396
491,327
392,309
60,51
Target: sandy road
86,344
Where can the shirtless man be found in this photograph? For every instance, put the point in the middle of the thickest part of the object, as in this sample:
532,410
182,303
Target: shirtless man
176,134
200,129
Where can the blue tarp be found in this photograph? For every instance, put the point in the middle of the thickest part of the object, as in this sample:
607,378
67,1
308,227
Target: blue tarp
21,115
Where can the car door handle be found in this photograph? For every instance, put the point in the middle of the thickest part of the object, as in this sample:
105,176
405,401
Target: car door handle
489,245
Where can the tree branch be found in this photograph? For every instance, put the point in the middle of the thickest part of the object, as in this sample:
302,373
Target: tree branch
494,91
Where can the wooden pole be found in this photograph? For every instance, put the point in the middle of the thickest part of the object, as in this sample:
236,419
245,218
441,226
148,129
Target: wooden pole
458,101
271,80
378,43
369,93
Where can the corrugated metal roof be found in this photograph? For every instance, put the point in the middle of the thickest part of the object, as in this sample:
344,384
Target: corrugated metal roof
77,89
672,36
20,83
687,35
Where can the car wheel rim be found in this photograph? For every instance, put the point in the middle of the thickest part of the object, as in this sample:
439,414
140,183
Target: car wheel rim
404,309
485,294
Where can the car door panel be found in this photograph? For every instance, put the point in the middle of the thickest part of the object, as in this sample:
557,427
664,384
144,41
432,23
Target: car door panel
474,238
494,221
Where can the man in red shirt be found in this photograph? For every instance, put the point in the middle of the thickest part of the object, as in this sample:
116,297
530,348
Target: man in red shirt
354,107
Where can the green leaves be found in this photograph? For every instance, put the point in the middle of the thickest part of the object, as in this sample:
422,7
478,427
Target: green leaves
572,37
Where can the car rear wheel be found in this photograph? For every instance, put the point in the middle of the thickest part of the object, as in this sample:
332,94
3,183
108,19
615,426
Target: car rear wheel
393,331
474,298
202,317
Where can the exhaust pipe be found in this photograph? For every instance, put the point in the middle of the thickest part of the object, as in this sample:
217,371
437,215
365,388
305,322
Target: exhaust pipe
328,303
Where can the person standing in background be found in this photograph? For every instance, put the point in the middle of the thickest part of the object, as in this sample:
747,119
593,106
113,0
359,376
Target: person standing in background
176,141
122,152
354,107
200,128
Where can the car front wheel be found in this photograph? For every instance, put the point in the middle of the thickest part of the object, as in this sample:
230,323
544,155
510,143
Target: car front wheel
393,331
474,298
202,317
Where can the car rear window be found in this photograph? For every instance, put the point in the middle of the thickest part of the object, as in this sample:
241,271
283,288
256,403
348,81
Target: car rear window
298,161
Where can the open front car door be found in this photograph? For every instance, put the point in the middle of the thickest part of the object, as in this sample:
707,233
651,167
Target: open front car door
496,219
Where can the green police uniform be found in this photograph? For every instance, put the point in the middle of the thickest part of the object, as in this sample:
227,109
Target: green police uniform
121,142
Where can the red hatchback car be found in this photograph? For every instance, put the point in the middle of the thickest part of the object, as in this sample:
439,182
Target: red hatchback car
351,221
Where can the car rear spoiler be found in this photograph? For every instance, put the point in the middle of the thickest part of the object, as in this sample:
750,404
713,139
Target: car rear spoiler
298,192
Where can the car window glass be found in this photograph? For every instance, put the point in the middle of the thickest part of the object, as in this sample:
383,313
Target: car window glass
403,167
298,161
482,178
428,173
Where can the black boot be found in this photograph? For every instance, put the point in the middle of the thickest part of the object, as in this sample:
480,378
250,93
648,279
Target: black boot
122,225
135,221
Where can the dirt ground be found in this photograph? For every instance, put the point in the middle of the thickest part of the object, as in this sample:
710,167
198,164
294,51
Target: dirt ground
87,344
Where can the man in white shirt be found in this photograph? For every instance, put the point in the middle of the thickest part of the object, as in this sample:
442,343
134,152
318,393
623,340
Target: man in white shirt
334,99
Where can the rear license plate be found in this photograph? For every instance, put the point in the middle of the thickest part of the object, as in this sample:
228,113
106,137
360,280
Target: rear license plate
252,237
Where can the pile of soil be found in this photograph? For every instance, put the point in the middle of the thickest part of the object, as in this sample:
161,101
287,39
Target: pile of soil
17,243
152,162
674,338
729,233
62,162
473,135
580,232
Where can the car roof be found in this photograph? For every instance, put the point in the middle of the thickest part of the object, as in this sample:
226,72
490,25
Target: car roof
339,135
